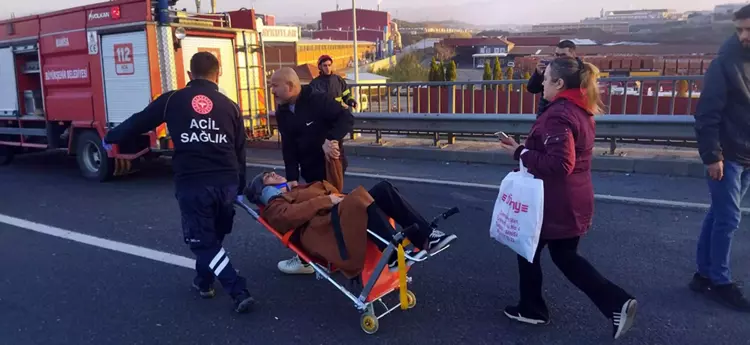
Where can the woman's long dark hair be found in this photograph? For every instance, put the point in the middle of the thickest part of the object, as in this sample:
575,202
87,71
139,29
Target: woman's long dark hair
577,74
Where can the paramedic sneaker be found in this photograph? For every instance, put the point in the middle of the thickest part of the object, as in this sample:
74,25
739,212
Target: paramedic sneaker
622,320
295,266
243,302
206,293
438,240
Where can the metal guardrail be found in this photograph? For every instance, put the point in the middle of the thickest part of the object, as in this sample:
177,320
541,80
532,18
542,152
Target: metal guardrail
449,125
622,95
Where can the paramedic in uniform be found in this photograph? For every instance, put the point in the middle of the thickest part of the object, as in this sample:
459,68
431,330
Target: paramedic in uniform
312,127
209,167
332,84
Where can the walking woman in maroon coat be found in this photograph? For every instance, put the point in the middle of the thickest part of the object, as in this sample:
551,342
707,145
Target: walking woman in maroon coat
559,151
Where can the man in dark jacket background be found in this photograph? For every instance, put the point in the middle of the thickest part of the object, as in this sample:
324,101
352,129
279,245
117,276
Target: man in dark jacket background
312,126
722,126
564,48
332,84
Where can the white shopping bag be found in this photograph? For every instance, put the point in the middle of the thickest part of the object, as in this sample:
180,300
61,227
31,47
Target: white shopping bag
517,217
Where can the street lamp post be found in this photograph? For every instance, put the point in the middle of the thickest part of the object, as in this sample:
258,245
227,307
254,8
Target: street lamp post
356,56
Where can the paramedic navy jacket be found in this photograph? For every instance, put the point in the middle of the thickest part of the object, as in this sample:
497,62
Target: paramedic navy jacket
207,131
315,118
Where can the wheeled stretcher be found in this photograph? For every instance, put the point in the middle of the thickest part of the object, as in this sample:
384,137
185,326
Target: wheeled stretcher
377,281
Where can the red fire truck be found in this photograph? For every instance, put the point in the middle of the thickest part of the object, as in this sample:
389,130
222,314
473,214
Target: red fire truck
66,77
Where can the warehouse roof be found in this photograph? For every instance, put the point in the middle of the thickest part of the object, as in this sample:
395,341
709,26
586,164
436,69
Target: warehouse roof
318,41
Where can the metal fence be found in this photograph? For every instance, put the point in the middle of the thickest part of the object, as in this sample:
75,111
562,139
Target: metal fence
625,95
642,109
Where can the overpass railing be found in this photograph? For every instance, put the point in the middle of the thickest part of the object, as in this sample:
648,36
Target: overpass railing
642,109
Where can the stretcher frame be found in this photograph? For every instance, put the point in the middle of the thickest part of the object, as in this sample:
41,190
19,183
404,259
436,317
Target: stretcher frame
380,280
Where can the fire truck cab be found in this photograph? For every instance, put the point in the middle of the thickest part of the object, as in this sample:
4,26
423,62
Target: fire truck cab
66,77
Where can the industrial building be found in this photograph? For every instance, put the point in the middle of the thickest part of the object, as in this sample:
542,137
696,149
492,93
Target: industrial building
606,26
644,16
306,51
337,25
474,51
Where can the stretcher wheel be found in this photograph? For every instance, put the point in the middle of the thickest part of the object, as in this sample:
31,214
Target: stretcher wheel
411,299
369,323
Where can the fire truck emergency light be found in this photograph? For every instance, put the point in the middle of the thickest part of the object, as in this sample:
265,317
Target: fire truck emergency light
114,12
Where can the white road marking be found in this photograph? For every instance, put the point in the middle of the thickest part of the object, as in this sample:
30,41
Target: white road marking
602,197
121,247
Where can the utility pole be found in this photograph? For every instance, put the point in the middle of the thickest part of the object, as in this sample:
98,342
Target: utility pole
356,56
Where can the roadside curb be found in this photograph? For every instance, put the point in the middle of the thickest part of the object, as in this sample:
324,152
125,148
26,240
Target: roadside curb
671,167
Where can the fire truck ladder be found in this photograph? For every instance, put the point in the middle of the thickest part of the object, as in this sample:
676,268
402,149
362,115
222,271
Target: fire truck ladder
257,109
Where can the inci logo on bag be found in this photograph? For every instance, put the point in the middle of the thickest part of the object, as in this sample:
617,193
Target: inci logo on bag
516,205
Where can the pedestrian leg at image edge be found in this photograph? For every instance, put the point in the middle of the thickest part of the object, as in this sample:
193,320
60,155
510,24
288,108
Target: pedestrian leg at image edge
713,254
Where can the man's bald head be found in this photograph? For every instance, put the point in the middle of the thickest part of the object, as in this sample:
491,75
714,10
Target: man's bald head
285,85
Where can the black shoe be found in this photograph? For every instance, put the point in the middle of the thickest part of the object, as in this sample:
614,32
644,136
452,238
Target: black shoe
438,240
514,313
243,302
731,296
622,320
700,283
393,260
204,292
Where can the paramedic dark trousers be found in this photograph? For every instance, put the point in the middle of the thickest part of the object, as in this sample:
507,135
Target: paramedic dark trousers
607,296
207,217
390,203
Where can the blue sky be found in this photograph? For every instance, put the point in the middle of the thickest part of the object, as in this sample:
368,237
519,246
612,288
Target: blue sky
498,12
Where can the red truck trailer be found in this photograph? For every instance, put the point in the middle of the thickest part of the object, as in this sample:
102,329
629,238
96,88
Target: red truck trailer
66,77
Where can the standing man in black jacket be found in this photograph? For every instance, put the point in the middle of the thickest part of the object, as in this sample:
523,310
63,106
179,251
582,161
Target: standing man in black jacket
312,126
563,49
722,126
209,165
332,84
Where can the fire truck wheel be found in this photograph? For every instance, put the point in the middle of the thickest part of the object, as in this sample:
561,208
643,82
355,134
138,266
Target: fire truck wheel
6,155
92,158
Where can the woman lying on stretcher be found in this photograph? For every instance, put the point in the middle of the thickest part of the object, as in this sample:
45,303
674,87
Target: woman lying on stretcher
322,217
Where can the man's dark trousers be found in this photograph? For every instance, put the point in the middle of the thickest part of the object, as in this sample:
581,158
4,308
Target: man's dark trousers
207,217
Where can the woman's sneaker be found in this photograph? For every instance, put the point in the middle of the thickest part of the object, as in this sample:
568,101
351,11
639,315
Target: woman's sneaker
438,240
514,313
622,320
295,266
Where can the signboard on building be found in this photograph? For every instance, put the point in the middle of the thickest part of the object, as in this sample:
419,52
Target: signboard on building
280,33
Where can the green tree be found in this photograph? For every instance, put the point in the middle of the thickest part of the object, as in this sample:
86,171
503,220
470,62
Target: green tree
433,70
510,73
441,71
409,68
487,75
497,72
451,74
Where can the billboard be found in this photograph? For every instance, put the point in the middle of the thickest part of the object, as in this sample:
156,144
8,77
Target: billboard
280,33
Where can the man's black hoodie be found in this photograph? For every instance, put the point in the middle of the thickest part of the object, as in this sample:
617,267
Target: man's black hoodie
305,126
722,117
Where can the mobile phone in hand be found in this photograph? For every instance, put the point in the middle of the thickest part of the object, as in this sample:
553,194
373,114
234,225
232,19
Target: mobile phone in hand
501,135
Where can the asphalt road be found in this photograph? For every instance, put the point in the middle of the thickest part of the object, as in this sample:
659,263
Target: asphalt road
54,291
